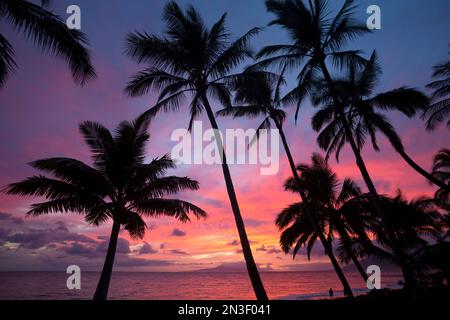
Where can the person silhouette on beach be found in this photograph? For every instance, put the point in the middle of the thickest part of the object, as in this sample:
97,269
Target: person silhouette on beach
331,293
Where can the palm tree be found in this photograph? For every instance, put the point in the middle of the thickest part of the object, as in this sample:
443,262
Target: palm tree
362,114
439,111
317,38
335,212
48,32
120,186
441,170
196,60
415,223
258,94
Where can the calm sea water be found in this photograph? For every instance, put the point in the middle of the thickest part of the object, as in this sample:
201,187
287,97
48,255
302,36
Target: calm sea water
173,286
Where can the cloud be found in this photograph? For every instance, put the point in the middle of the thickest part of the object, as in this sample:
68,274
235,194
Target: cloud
268,249
123,246
274,250
176,251
254,222
31,238
178,233
147,249
163,245
9,217
261,249
233,243
79,249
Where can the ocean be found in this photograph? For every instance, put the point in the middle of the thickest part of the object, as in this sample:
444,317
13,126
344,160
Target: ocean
182,286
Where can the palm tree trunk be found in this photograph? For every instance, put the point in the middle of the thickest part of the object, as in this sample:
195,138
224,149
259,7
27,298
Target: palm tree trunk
252,269
101,292
410,281
346,240
359,267
328,250
420,170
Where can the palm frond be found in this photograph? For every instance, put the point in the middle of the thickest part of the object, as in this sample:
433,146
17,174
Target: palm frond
75,172
160,187
406,100
149,78
100,142
437,113
50,33
178,209
48,188
220,92
250,111
233,55
343,59
7,63
134,224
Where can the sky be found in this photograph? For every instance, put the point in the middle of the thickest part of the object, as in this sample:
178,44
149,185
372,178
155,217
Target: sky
41,107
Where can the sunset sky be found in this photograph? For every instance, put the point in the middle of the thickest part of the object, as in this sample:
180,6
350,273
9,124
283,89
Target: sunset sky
41,107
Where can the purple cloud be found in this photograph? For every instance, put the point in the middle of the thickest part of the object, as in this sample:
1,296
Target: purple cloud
147,249
37,238
123,246
9,217
178,233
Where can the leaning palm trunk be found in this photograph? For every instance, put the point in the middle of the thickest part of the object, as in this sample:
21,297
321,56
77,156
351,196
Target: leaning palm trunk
252,269
102,288
420,170
328,249
410,282
348,249
358,266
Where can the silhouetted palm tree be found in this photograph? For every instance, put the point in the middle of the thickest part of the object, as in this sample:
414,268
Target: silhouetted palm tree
362,113
259,92
317,38
439,111
120,186
192,58
416,223
441,170
322,196
48,32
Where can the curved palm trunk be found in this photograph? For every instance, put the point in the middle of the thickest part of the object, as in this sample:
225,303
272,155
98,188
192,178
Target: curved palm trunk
420,170
253,273
410,282
101,292
328,249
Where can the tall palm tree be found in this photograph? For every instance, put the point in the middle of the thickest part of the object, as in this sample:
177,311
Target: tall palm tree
194,59
318,38
362,113
439,111
441,170
258,94
119,186
49,32
333,206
